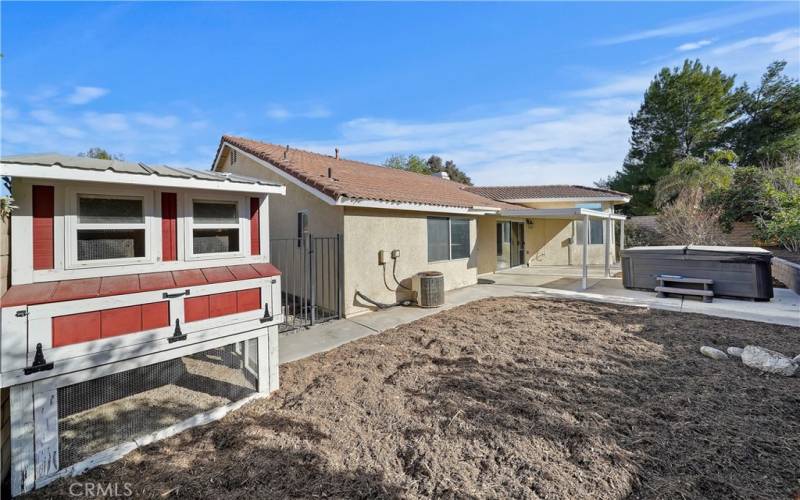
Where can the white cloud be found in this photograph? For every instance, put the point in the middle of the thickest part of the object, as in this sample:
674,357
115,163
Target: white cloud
114,122
282,112
45,116
686,47
618,85
536,145
156,121
710,22
83,95
781,41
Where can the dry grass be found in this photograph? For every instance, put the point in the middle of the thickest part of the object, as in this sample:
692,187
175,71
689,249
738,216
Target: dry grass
511,397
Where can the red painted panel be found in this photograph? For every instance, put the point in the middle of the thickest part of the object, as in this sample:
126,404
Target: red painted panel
43,208
221,304
255,233
32,293
244,272
119,285
266,270
155,315
75,328
189,277
218,274
169,226
156,281
195,308
248,300
120,320
85,288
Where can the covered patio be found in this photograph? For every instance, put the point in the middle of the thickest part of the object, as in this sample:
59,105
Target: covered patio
584,270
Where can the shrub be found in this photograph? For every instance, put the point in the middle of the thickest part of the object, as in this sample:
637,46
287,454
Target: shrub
641,236
688,221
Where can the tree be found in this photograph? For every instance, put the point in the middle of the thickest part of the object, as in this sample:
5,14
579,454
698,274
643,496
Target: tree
453,172
769,124
101,154
683,114
434,164
709,175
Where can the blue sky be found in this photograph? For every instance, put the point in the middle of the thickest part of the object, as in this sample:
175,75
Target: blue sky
533,93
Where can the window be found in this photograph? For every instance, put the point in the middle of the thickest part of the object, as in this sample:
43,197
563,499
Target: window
110,227
302,226
595,232
215,227
448,238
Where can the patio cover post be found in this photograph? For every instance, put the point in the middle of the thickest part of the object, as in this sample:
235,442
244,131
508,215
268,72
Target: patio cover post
585,271
621,236
607,248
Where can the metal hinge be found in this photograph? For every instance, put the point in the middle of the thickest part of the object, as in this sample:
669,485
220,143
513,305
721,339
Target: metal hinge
21,314
267,316
177,335
39,363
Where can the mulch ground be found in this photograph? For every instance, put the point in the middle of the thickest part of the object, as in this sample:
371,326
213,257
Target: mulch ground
511,397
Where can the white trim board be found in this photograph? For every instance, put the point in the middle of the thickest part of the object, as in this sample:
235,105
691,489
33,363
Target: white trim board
56,172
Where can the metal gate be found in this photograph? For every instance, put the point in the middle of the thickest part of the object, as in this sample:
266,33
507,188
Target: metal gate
311,284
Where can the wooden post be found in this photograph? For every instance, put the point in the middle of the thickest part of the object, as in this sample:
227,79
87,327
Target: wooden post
585,271
621,236
268,360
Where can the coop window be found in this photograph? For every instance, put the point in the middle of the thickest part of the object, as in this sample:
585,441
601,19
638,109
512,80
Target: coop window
216,227
109,228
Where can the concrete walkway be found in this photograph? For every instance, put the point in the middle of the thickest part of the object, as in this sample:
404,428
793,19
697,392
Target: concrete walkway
784,309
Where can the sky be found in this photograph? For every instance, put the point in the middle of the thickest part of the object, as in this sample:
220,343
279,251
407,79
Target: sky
514,93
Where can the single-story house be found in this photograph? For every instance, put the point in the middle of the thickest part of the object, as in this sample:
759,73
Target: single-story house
432,223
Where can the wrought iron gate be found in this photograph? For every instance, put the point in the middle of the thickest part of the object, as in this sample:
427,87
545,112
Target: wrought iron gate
311,284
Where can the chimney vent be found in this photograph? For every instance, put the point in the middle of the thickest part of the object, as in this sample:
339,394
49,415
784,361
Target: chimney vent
441,175
337,155
286,152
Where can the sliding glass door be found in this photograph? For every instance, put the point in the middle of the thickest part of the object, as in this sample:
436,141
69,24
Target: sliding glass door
510,244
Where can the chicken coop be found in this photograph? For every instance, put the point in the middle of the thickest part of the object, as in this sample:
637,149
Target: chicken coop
142,302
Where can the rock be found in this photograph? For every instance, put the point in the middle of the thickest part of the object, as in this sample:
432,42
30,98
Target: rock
712,353
797,359
768,361
736,352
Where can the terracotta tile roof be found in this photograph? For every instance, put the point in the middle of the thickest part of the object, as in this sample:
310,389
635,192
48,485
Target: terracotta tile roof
358,180
544,192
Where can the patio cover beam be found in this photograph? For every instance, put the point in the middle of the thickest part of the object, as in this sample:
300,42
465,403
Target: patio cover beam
560,213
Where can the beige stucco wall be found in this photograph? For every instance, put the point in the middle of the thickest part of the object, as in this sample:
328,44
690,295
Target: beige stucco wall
367,231
547,241
323,219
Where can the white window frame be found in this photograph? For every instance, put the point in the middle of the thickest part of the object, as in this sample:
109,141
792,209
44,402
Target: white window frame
449,238
243,209
72,225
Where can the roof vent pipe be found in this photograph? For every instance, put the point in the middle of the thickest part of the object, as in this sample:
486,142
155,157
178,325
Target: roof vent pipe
330,173
286,152
337,156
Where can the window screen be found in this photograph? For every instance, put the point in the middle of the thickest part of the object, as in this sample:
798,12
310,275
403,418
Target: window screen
98,210
438,238
100,244
215,240
215,213
459,235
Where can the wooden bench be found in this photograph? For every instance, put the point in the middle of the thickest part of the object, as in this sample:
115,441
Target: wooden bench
707,293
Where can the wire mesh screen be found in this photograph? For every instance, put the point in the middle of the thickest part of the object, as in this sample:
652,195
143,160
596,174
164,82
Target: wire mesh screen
215,240
96,244
105,412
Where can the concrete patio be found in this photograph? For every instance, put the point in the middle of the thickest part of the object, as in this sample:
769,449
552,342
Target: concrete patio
539,281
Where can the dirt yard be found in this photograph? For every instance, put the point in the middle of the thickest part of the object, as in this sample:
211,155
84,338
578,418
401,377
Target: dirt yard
512,397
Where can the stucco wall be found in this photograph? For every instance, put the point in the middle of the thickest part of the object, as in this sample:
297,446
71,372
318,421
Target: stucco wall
323,219
366,231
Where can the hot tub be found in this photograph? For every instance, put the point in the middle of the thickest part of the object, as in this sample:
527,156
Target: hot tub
743,272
